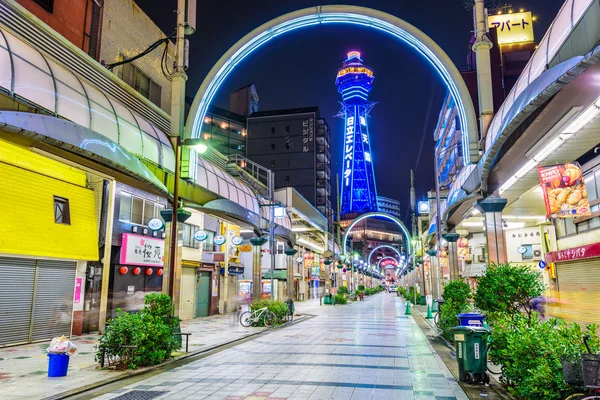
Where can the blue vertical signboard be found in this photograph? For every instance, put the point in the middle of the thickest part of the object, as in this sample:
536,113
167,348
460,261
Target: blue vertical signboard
358,188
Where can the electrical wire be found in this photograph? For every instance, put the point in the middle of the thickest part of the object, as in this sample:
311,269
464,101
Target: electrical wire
142,54
425,126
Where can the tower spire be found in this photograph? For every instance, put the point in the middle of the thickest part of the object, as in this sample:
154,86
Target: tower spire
354,81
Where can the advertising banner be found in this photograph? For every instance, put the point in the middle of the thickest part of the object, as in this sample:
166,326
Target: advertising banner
462,246
564,191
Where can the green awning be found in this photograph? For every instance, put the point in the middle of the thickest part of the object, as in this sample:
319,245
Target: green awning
280,274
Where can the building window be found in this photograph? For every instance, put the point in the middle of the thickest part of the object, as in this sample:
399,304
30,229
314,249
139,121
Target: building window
188,236
136,210
141,83
272,130
62,213
272,163
287,129
47,5
287,145
287,162
272,146
287,179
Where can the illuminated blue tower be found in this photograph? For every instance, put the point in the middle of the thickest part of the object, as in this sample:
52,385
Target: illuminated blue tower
354,81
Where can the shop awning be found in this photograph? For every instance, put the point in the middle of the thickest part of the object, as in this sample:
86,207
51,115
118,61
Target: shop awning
280,274
79,140
230,211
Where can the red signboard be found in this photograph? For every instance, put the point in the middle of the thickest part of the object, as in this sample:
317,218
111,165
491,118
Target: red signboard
575,253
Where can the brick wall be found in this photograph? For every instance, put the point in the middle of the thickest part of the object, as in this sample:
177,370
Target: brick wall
68,17
127,31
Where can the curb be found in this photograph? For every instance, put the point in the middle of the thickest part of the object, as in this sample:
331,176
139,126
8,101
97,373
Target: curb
184,359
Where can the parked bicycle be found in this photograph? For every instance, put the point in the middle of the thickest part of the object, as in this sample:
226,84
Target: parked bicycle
438,315
263,315
584,373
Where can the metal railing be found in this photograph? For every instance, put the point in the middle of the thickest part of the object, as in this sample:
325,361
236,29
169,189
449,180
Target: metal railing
257,176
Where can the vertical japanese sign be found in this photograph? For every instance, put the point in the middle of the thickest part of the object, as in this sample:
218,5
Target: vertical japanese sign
77,297
308,134
348,149
512,28
564,190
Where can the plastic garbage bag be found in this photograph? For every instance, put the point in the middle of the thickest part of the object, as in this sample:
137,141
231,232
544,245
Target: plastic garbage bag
62,345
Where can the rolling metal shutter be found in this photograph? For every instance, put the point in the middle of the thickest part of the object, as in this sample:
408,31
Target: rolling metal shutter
53,304
36,299
16,297
579,288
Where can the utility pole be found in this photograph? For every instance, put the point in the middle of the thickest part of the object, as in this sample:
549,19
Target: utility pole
177,125
438,225
482,47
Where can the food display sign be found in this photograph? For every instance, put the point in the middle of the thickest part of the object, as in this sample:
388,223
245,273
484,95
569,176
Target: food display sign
564,190
462,246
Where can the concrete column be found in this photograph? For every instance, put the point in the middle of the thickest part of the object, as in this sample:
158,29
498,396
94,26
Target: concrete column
451,238
482,47
257,243
491,209
434,273
290,272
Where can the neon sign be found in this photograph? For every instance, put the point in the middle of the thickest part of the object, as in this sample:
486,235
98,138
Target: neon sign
349,150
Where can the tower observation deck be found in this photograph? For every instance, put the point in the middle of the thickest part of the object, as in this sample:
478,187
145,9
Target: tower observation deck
358,190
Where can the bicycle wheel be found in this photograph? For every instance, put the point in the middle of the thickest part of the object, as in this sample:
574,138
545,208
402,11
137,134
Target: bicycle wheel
492,368
589,397
436,319
269,319
575,396
246,319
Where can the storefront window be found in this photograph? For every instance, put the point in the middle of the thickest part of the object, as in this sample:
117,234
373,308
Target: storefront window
188,236
591,186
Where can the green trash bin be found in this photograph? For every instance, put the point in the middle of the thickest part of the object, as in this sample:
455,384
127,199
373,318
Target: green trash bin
471,353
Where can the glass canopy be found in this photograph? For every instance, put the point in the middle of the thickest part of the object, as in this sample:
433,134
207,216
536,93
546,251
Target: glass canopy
41,82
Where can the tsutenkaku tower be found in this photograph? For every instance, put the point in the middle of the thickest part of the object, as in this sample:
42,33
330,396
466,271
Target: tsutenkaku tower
358,190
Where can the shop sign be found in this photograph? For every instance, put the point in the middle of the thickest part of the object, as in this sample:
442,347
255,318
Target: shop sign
462,248
388,262
299,259
575,253
564,190
521,249
155,224
219,240
237,240
200,236
245,248
512,28
77,297
142,250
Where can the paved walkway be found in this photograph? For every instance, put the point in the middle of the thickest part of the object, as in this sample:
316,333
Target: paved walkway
364,350
23,369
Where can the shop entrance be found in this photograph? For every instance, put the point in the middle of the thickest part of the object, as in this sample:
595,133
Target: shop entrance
202,294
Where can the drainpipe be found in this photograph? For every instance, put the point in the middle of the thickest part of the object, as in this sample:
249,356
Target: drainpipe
482,47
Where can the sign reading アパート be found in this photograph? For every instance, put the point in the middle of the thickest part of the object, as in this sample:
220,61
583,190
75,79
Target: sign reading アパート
565,195
512,28
142,250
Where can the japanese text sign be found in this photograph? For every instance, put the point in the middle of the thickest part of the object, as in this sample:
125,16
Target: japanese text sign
564,190
575,253
512,28
142,250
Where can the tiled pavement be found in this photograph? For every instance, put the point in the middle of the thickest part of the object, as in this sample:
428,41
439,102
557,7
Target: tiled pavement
23,369
364,350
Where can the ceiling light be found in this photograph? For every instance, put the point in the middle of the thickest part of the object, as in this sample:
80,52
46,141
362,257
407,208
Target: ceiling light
473,224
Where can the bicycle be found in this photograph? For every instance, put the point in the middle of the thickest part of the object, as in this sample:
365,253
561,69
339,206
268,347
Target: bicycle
583,372
263,315
438,315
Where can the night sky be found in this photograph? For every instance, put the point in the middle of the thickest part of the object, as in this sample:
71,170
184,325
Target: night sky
298,70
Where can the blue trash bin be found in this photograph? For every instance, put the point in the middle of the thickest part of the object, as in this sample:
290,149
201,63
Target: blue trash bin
471,319
58,364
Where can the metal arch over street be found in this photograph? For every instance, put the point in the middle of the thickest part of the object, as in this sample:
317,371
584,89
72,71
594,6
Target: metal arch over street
347,15
381,215
383,246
